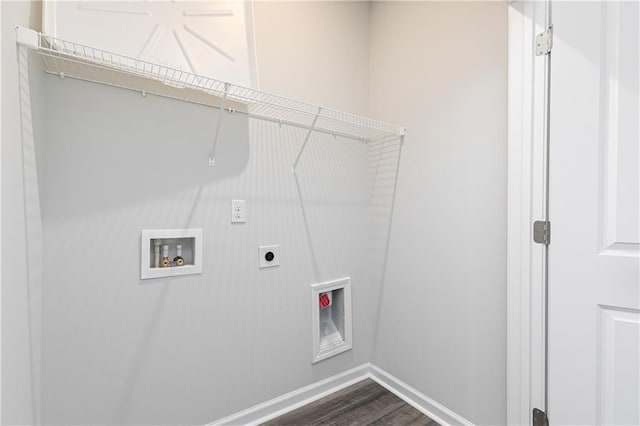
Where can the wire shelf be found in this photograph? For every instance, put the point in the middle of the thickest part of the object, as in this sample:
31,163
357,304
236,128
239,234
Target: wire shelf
75,60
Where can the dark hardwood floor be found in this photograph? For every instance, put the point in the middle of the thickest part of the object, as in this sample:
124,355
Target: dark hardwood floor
365,403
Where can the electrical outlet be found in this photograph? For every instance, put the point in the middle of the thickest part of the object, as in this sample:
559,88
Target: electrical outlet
268,256
238,211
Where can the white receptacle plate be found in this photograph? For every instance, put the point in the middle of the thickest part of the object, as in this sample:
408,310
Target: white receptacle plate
262,252
238,211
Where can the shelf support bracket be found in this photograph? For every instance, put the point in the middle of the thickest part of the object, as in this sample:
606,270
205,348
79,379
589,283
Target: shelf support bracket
223,106
26,37
306,140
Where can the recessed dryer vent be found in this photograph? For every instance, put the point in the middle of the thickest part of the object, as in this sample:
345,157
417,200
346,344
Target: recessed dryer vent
170,252
331,318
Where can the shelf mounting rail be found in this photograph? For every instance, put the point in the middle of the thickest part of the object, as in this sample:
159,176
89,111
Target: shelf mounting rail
75,60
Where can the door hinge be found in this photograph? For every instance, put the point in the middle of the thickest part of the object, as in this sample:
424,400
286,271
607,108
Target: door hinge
542,232
544,42
540,418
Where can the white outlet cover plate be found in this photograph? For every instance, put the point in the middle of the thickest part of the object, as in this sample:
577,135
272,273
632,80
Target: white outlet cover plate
263,250
238,211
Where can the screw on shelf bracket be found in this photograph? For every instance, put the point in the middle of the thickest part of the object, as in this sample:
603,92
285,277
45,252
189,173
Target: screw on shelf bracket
306,139
223,106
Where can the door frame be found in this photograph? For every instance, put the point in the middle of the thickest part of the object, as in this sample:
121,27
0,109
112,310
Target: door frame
527,106
0,226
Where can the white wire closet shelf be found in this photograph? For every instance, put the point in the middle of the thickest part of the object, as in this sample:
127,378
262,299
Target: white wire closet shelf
69,59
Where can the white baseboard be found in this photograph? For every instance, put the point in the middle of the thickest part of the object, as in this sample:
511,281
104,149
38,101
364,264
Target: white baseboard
416,399
290,401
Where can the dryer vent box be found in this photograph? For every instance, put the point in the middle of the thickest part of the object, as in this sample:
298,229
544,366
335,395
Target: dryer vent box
331,318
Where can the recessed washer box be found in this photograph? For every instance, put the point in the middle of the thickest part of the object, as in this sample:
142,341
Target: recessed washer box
170,253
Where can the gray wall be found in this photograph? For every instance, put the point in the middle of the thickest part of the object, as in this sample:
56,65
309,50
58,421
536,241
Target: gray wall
189,350
116,350
314,51
440,69
21,268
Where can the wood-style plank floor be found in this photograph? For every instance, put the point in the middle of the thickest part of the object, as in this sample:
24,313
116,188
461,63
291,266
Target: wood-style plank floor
365,403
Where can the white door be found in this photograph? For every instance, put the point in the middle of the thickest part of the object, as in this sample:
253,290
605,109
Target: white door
594,263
